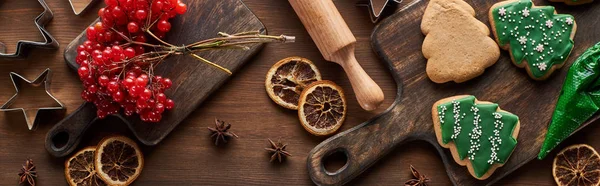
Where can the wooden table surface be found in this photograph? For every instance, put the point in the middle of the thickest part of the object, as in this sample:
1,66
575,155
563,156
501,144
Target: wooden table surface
188,156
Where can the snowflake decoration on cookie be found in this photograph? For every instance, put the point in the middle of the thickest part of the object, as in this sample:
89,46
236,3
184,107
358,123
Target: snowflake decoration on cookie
539,48
502,11
526,12
549,23
541,66
569,21
523,40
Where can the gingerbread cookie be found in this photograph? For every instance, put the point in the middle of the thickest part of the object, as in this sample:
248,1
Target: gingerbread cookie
479,134
573,2
457,45
537,38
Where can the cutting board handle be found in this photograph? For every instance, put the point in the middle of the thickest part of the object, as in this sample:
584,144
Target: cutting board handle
64,137
362,145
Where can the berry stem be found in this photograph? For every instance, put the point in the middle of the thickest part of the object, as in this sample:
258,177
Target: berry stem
226,41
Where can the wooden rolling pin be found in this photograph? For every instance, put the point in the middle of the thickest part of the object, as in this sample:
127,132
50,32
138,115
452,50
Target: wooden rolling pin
336,43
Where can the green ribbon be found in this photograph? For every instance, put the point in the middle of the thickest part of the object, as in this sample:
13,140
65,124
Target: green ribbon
579,99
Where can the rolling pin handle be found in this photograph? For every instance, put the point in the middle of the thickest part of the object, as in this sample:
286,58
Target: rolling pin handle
368,94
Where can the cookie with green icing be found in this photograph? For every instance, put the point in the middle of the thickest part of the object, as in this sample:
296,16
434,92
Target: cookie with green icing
573,2
479,134
538,39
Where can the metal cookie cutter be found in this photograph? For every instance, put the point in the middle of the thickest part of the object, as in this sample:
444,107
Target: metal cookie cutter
23,46
43,79
376,7
79,6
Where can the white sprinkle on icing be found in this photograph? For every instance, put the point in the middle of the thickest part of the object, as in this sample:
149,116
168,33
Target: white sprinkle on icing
475,134
456,112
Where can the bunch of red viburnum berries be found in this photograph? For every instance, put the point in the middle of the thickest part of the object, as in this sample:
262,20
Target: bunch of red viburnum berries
115,68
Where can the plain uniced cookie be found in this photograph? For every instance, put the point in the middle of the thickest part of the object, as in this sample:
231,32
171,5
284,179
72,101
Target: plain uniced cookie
537,38
457,45
479,134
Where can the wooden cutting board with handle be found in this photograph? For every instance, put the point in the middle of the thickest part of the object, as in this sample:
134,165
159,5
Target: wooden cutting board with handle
397,40
193,81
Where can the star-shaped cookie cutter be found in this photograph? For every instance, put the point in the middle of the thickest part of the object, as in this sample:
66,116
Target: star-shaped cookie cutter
23,46
43,79
376,7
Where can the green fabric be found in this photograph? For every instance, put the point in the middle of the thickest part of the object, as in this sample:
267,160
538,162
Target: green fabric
579,99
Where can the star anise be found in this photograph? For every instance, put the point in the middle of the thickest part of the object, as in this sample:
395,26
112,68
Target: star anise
221,131
419,180
28,173
278,150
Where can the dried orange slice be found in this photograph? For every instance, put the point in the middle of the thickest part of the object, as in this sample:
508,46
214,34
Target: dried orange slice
577,165
80,169
118,160
322,108
287,78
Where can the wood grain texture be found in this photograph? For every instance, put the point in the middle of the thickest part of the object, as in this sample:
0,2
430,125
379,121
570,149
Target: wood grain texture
193,81
188,156
398,41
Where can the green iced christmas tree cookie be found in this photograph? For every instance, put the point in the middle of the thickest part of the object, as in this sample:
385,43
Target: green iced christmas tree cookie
479,134
537,38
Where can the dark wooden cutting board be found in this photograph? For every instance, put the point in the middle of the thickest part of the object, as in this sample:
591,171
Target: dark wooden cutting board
397,40
193,81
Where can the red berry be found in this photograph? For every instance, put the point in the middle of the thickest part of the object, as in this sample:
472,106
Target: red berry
103,80
146,94
128,83
91,33
92,88
111,2
81,56
108,36
142,103
133,27
129,52
181,8
141,15
134,91
98,60
139,49
140,82
101,12
160,108
99,27
118,12
169,104
157,6
80,48
113,86
167,83
164,26
83,71
118,96
161,98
